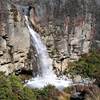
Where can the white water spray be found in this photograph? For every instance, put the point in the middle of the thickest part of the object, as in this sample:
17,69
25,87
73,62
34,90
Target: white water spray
45,64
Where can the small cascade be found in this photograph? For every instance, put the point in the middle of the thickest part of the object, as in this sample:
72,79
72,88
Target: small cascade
46,75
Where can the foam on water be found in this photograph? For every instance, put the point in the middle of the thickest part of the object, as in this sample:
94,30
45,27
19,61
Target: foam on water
45,64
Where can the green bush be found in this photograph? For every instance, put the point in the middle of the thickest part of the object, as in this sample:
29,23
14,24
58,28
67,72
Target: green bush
5,90
68,89
11,88
47,93
87,66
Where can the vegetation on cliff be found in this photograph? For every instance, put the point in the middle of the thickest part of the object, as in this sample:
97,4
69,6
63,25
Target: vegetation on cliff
88,66
11,88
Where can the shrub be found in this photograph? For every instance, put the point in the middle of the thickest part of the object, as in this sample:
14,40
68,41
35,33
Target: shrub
5,90
87,66
11,88
47,93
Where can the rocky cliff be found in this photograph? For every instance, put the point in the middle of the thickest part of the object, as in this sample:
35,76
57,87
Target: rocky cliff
69,28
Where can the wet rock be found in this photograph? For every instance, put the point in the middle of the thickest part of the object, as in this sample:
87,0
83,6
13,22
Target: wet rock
77,79
78,96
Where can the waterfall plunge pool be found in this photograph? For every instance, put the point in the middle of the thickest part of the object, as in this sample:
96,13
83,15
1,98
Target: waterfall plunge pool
41,82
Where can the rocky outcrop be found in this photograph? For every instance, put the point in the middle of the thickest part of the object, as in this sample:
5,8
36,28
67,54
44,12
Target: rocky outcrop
67,27
14,38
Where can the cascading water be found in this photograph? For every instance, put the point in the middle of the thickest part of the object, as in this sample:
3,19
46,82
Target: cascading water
45,63
47,75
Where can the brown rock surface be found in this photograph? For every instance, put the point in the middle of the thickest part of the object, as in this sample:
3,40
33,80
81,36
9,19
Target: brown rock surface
67,27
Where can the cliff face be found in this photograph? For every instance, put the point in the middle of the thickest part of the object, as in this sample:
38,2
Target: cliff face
14,38
67,27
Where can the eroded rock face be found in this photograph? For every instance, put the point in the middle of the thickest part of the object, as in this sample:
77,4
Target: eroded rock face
14,38
67,27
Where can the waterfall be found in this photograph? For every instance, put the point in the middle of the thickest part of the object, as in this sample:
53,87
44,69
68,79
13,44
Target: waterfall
44,61
46,75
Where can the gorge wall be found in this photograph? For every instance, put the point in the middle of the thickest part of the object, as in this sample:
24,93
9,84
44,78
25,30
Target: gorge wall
69,28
